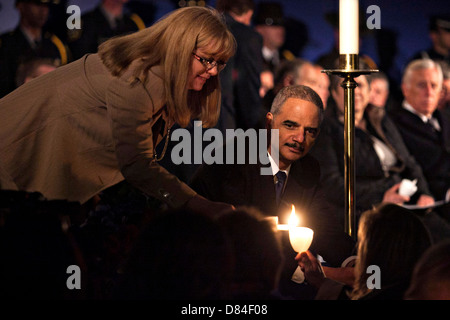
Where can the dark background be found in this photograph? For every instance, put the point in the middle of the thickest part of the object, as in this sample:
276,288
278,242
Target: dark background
404,25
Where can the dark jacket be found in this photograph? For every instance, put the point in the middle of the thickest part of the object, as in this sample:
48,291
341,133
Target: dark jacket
430,149
95,29
240,80
243,185
371,181
15,49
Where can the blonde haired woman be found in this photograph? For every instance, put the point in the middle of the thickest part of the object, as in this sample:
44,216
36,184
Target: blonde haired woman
95,122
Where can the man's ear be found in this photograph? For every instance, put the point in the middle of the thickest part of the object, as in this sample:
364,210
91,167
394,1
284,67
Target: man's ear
269,120
404,89
288,81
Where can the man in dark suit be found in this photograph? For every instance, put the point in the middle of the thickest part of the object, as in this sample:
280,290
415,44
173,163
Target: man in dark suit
296,113
29,40
240,80
270,22
108,19
424,128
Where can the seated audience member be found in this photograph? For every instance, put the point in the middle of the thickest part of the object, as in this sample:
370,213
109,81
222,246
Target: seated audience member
267,82
257,254
179,255
27,41
297,113
424,128
392,239
381,157
33,69
379,89
291,72
321,85
431,277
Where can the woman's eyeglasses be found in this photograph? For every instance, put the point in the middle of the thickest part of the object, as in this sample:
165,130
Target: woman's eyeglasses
210,63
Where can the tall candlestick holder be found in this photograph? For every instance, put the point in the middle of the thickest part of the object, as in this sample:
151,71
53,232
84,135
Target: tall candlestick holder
349,70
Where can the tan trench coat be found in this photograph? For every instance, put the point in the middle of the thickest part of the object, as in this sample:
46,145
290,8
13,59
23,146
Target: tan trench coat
75,131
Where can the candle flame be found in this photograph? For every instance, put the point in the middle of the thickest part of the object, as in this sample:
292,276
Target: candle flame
293,219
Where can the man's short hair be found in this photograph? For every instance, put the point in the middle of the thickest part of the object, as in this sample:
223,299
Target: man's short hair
421,64
289,67
297,92
238,7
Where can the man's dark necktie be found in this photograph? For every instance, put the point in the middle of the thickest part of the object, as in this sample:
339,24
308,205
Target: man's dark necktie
281,179
432,128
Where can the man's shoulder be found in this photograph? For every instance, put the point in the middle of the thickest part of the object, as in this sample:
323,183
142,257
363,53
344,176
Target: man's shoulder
11,37
402,117
243,32
306,168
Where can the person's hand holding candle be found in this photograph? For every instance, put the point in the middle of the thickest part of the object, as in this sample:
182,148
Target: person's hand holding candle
311,267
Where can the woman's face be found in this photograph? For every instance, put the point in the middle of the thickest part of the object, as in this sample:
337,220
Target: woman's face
199,73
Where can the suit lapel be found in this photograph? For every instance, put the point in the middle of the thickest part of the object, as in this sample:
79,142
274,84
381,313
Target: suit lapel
263,190
417,125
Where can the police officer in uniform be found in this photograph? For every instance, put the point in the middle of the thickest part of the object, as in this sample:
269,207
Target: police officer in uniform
269,21
439,32
108,19
29,41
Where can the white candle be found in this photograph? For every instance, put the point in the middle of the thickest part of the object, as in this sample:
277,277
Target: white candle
348,27
300,237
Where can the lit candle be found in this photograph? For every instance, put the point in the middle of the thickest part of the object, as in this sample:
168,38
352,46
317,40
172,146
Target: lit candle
348,27
300,237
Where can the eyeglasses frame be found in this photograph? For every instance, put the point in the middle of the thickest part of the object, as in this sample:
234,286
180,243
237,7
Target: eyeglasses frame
210,63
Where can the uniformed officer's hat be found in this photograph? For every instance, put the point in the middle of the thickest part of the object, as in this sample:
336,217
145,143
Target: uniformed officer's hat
48,2
269,14
440,21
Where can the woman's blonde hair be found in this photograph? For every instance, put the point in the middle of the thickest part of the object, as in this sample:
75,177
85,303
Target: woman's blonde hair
170,43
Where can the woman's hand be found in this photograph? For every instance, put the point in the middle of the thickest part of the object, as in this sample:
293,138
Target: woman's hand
207,207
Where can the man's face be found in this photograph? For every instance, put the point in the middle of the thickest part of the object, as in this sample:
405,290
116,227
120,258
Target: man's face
423,90
444,38
298,125
32,14
273,36
312,76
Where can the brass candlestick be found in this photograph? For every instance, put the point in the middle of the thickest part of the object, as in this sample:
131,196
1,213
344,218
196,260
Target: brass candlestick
349,70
